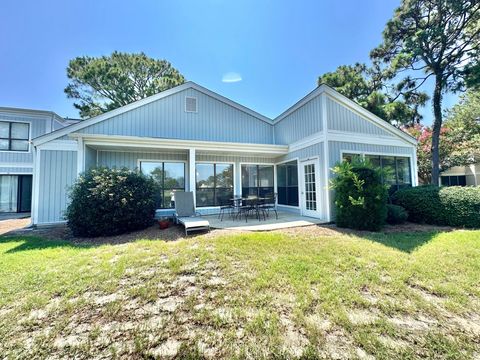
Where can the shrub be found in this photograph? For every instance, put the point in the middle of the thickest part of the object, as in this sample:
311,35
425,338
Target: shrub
396,214
110,201
360,196
453,206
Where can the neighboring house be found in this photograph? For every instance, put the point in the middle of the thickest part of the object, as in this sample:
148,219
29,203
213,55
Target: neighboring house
461,176
17,128
190,138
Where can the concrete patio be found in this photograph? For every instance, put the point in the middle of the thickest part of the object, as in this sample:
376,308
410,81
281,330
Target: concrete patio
285,220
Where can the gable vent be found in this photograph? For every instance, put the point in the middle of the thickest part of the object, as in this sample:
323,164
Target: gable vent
190,104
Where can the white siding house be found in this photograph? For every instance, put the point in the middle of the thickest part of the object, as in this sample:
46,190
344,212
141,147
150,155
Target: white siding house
205,143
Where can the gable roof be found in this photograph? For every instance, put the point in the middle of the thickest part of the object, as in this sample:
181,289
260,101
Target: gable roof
323,88
364,113
187,85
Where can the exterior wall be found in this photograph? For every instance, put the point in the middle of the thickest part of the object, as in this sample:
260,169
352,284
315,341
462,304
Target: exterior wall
58,170
15,170
166,118
90,157
38,126
307,153
301,123
471,172
342,118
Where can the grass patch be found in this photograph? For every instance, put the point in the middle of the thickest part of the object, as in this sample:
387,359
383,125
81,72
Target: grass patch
251,295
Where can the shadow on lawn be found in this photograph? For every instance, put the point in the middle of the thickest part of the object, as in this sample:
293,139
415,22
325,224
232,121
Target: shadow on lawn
406,242
48,238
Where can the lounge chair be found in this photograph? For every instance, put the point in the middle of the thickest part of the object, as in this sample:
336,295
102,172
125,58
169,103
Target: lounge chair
186,215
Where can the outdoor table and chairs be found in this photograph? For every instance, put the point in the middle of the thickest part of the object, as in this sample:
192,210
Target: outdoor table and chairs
249,206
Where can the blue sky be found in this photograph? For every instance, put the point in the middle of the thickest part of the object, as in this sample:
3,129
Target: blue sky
278,48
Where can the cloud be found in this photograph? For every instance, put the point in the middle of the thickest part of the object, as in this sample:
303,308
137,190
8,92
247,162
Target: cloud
231,77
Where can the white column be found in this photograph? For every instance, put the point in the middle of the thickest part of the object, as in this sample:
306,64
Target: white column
80,156
237,171
191,172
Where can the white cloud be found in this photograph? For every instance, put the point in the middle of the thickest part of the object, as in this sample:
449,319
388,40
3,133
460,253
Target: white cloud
231,77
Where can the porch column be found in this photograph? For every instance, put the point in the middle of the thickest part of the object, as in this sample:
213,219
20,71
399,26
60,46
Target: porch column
191,172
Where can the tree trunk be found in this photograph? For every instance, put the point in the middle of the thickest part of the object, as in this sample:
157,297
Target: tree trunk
437,126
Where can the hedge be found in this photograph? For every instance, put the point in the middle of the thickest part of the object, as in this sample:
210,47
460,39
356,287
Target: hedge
110,201
452,206
396,214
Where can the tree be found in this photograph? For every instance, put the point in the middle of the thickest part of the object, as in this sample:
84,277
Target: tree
370,88
459,137
108,82
432,38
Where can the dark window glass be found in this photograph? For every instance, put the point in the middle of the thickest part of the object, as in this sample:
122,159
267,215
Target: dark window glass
454,180
287,183
374,160
14,136
170,177
257,180
214,184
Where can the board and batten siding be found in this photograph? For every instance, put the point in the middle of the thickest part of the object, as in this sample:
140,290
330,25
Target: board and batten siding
167,118
58,171
342,118
90,157
301,123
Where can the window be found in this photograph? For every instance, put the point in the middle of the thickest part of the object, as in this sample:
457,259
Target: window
257,180
214,184
454,180
349,157
287,183
169,176
14,136
397,170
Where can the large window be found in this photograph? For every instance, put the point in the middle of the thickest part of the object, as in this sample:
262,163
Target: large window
287,183
257,180
214,184
14,136
454,180
170,177
397,172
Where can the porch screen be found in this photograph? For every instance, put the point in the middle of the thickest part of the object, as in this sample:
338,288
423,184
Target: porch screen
257,180
287,183
214,184
170,177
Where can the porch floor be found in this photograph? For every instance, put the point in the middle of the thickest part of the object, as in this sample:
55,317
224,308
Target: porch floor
285,220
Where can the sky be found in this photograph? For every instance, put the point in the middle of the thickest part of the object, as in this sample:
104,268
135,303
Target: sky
264,54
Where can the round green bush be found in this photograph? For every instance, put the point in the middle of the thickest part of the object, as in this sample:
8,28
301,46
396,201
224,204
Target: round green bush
452,206
110,201
360,196
396,214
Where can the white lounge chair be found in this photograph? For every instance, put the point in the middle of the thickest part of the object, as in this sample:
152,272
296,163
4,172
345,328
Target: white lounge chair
186,215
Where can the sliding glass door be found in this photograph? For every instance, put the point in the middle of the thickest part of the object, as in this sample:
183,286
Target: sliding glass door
8,193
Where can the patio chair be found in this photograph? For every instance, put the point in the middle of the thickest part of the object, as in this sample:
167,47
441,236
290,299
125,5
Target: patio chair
186,215
270,204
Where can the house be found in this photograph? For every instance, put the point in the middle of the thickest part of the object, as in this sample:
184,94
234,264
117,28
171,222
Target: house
190,138
17,128
468,175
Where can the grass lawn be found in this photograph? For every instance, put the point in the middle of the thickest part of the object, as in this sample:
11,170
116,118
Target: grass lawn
244,295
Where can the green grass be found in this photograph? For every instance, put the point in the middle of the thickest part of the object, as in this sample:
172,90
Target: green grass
255,295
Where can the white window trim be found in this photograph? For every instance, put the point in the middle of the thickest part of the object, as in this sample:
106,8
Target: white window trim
215,162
